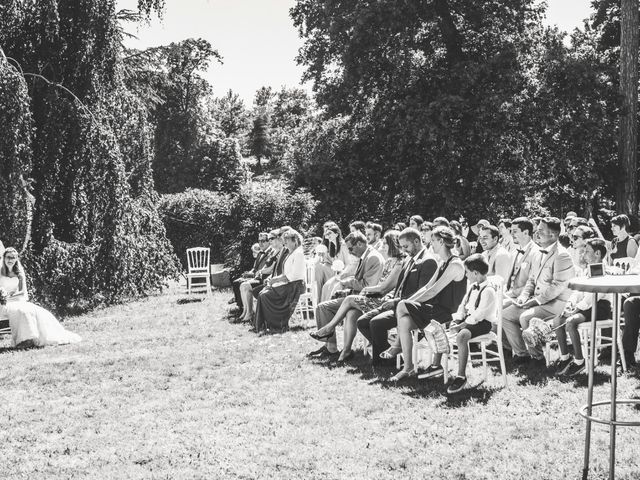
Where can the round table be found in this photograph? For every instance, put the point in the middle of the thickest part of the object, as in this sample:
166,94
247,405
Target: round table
615,284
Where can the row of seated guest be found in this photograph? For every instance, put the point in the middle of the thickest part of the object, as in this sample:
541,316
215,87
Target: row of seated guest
536,279
30,324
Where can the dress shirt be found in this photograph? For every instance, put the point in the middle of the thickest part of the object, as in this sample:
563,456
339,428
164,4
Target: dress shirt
295,267
486,308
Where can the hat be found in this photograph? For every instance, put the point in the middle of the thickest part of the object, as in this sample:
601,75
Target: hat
481,223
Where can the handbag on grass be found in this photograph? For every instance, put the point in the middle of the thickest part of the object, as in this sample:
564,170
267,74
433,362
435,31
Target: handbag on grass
437,337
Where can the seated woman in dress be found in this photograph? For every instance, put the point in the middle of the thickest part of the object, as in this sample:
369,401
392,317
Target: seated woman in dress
277,301
369,298
336,250
622,245
30,324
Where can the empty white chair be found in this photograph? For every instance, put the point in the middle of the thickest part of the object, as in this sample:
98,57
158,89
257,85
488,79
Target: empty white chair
308,299
198,265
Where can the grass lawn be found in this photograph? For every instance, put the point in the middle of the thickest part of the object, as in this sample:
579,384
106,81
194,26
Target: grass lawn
161,389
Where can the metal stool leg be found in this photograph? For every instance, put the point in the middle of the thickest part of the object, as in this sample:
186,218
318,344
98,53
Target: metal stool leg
592,356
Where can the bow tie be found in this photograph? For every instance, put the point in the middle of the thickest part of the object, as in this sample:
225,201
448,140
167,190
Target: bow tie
544,252
475,287
521,251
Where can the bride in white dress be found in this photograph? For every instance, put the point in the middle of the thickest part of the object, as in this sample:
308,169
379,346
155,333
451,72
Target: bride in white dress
30,324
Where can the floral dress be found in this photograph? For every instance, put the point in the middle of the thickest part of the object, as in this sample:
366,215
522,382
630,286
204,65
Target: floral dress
367,303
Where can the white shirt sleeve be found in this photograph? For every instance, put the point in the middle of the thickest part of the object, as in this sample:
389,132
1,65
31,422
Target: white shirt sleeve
295,267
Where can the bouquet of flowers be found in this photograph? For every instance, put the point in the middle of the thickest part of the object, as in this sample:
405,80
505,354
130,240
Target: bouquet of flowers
3,296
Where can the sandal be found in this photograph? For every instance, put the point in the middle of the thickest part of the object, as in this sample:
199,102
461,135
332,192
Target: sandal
402,374
321,337
390,353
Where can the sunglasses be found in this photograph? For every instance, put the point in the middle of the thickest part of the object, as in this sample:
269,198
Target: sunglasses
577,237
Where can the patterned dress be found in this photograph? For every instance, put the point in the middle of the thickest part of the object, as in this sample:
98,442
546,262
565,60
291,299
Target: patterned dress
367,303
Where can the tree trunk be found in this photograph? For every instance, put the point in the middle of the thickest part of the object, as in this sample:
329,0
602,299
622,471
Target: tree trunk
627,188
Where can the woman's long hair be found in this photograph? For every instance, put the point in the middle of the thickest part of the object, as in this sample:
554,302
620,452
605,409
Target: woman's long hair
333,249
17,267
392,237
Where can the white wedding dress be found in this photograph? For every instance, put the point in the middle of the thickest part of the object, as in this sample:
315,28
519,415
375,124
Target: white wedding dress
31,322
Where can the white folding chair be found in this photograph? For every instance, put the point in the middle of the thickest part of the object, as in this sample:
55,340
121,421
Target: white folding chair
5,329
602,341
198,264
308,299
624,264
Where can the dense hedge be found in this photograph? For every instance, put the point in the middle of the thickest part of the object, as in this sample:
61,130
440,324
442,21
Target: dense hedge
229,224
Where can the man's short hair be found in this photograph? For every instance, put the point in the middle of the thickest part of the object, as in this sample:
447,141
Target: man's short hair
598,245
493,230
376,227
355,237
553,224
585,232
410,234
274,233
284,229
621,221
581,221
441,222
263,236
477,263
564,240
524,224
506,221
358,225
416,218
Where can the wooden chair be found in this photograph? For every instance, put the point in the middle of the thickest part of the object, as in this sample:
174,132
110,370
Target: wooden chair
198,264
307,302
4,327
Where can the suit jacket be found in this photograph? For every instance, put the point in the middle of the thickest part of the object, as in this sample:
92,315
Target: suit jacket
421,272
549,278
368,272
521,268
261,259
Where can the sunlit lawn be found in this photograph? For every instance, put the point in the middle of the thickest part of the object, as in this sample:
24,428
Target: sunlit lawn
162,389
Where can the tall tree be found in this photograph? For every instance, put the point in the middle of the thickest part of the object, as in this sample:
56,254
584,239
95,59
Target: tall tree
627,194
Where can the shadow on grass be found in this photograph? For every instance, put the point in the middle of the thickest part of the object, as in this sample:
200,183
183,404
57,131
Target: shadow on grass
599,378
413,387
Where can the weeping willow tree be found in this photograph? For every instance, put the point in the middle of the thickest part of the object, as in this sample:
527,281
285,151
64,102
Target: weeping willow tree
84,142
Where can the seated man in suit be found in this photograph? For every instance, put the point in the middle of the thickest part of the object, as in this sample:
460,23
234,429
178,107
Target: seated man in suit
368,273
373,232
418,270
260,260
527,254
495,254
545,294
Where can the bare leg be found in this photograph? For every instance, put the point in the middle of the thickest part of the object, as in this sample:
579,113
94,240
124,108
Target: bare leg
350,331
405,325
345,306
462,340
247,300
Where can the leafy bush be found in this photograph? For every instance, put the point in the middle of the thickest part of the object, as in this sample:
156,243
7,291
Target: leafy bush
229,224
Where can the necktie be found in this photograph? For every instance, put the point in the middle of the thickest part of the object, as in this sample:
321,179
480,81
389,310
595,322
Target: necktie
358,270
521,251
544,252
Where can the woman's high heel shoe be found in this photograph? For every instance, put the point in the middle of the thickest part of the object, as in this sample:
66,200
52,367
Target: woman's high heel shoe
327,335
